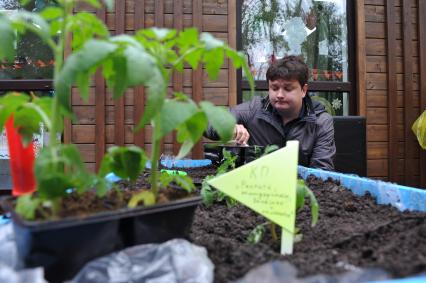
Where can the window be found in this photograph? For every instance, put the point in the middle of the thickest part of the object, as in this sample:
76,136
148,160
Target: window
321,31
32,68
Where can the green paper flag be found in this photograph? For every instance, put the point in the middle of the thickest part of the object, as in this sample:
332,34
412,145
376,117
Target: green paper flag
266,185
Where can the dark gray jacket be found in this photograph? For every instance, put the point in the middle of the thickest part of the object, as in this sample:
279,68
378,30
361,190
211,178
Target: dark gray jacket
313,129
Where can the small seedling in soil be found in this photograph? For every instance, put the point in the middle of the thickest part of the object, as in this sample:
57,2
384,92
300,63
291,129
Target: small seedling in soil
302,192
210,194
260,151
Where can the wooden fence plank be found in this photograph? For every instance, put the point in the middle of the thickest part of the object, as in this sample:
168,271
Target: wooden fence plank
87,152
232,41
377,46
120,14
408,93
99,108
159,13
378,98
392,90
67,121
159,22
177,76
211,23
360,59
197,75
139,93
377,64
376,13
377,30
377,167
379,150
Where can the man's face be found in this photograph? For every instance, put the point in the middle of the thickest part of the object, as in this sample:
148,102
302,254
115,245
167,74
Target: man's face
286,96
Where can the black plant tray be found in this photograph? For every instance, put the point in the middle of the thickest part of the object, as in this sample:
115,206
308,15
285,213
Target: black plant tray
62,247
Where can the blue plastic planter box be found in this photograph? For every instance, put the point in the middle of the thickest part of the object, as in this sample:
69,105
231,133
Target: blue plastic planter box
401,197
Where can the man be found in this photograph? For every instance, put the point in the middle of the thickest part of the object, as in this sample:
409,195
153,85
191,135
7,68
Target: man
288,113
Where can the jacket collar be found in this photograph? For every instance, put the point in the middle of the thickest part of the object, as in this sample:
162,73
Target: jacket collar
307,113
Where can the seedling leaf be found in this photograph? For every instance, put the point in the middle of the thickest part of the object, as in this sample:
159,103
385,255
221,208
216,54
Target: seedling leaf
26,206
256,235
125,162
147,197
8,38
221,120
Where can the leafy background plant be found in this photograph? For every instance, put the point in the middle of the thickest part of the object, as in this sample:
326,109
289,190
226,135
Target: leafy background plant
209,194
228,163
419,129
148,58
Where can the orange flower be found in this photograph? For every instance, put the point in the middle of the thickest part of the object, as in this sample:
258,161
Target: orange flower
40,64
327,74
315,74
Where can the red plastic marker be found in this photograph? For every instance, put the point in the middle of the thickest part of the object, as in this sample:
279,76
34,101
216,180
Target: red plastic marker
21,161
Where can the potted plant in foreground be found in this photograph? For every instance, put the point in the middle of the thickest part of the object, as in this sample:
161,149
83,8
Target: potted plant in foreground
63,245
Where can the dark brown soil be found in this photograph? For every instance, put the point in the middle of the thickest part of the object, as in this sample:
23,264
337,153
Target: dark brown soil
89,203
198,174
351,231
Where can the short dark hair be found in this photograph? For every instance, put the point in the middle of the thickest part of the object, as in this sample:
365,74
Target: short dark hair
288,68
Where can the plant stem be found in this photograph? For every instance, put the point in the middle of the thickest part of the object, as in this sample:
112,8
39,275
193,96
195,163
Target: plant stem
59,60
182,57
56,207
274,232
58,54
155,154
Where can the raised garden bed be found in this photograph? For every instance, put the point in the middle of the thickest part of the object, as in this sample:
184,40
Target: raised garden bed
352,232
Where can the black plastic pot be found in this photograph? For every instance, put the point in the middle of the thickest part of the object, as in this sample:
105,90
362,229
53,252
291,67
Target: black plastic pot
245,153
63,247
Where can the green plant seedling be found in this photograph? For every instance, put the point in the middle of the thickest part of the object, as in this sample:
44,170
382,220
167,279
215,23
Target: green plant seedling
174,172
256,235
210,194
302,192
260,151
148,59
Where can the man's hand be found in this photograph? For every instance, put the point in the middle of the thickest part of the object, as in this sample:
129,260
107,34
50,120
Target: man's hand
241,135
